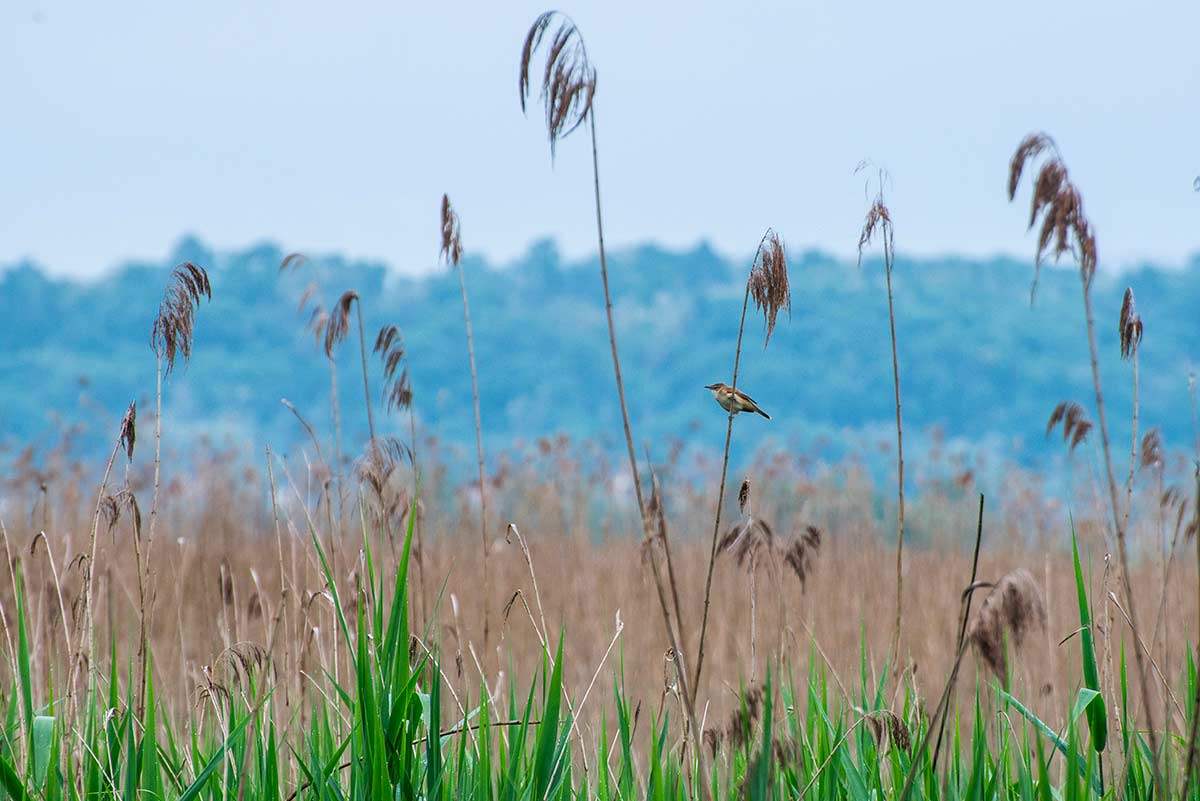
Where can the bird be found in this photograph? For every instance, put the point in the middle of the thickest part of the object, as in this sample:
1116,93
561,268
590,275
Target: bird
734,400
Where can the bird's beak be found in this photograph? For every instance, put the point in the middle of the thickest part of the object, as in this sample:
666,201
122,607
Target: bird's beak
710,386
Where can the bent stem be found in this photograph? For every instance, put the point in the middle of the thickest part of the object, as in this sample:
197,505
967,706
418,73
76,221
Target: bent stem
1122,549
712,555
895,648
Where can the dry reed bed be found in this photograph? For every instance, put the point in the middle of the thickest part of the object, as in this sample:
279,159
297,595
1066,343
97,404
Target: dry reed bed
218,582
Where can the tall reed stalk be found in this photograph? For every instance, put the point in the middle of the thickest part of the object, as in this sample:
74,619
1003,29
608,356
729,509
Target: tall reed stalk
452,254
1066,231
767,284
171,335
880,218
568,91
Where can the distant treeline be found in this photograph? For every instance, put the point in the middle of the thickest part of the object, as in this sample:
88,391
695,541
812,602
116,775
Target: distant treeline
978,362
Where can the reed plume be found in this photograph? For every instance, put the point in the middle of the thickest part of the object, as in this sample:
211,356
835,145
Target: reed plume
1012,609
768,284
1065,230
171,336
1129,329
452,255
337,328
879,220
1074,421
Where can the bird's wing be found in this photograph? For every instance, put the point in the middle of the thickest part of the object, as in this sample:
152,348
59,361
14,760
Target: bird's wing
746,397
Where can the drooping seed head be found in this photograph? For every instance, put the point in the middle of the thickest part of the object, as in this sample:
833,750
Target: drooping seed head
768,281
1075,423
1130,326
337,324
1011,610
174,325
389,344
129,430
1065,228
451,233
568,78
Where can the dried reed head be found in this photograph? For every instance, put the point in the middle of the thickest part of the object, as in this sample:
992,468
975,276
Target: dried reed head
1011,610
174,324
801,554
768,281
337,325
1130,326
111,506
1064,229
878,219
747,540
744,496
1153,455
376,468
888,730
568,80
451,233
740,723
128,430
293,262
397,392
1075,423
236,665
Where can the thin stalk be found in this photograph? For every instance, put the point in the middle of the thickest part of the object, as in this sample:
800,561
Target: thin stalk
712,555
1191,748
412,427
666,541
362,347
335,411
1122,550
962,629
144,578
753,599
895,648
689,704
283,591
1133,442
612,334
483,518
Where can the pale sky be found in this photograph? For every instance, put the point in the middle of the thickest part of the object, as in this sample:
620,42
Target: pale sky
337,126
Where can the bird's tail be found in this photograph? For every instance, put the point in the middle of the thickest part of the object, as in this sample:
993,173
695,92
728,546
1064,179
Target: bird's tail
764,414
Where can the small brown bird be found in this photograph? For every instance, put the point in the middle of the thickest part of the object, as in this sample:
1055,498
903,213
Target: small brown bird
734,400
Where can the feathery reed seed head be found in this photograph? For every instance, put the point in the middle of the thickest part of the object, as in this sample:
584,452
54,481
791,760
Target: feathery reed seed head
568,79
451,233
1014,607
1152,449
129,430
337,324
1065,228
389,344
768,281
174,325
1075,423
1130,326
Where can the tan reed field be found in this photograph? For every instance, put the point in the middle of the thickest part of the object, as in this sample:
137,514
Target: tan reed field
223,571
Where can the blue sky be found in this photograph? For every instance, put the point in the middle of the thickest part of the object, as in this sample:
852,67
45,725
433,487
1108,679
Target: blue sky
330,126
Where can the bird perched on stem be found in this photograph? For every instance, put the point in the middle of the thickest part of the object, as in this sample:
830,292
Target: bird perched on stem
734,400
